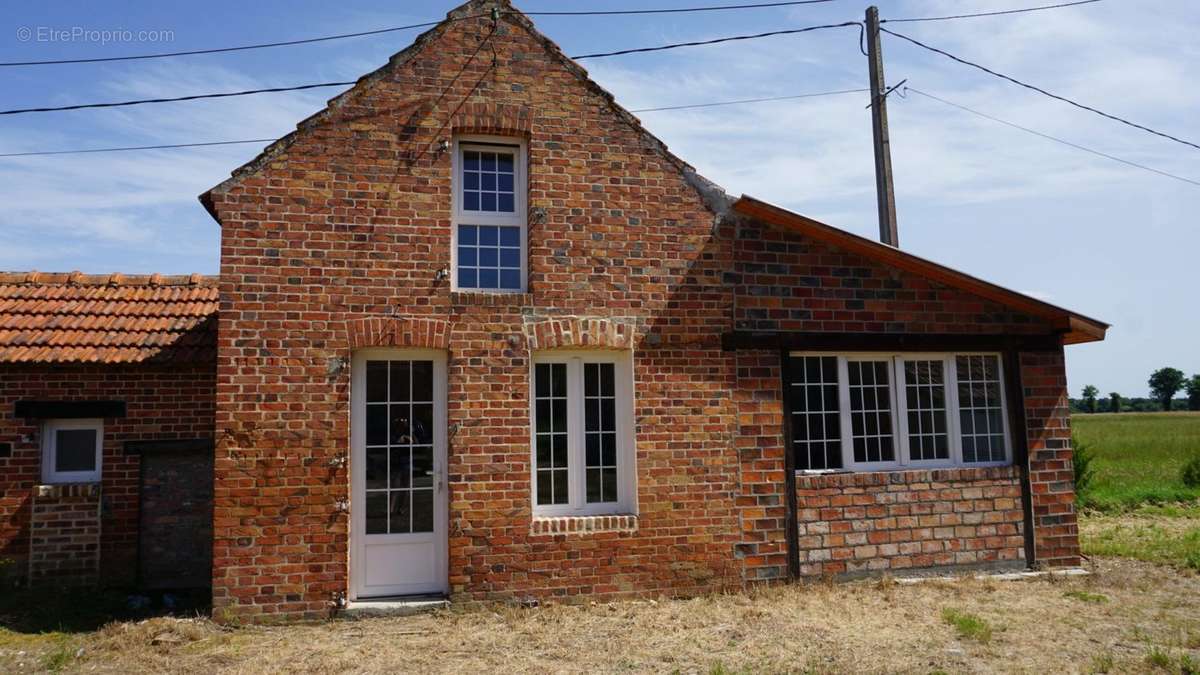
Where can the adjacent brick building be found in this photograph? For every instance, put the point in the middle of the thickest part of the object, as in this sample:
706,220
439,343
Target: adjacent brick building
480,334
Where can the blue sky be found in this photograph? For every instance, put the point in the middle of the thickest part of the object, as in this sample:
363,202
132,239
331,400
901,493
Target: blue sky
1110,241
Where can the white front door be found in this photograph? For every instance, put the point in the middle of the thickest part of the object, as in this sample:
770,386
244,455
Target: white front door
398,466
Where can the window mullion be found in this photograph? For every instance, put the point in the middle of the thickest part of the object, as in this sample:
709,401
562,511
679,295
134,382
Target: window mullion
575,446
844,413
953,424
900,410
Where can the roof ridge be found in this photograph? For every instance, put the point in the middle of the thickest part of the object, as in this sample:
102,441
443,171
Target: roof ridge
77,278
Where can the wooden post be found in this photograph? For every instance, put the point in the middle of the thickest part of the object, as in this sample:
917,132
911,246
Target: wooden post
884,190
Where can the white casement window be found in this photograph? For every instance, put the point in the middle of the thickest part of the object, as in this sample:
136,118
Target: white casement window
871,412
72,451
582,433
490,241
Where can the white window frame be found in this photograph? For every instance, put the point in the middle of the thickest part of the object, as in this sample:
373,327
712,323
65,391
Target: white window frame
519,217
623,387
899,410
50,429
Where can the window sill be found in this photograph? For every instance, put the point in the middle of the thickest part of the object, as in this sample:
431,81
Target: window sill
60,490
491,299
558,525
903,476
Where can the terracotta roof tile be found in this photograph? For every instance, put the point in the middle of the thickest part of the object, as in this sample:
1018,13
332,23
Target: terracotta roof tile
110,318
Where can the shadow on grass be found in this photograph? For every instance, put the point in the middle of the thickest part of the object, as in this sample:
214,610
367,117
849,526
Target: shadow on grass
43,610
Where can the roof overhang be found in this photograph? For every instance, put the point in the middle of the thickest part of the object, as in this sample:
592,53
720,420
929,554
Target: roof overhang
1074,328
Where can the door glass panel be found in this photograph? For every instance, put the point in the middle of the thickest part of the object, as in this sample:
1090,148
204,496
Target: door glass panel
399,459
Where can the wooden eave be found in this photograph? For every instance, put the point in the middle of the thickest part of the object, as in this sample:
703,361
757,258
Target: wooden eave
1074,328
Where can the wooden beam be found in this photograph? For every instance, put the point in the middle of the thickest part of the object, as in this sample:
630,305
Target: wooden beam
69,409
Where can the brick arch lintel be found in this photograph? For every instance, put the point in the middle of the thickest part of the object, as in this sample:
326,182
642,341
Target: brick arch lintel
398,332
580,332
493,118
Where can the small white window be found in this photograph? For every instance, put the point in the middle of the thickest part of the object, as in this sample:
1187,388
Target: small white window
489,247
871,412
582,433
72,451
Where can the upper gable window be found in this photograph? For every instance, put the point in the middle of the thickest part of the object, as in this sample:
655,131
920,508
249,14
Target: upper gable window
490,239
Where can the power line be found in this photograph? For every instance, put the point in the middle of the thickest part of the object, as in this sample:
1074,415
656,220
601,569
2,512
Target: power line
193,97
1053,138
135,147
272,140
749,100
219,50
972,16
677,10
1042,91
380,31
734,38
247,92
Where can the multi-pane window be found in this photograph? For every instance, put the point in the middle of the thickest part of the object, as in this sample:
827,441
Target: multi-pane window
875,411
981,409
582,433
870,389
925,400
399,447
816,422
550,432
489,216
72,450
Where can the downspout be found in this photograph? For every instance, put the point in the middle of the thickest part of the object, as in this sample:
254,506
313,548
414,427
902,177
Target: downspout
1020,436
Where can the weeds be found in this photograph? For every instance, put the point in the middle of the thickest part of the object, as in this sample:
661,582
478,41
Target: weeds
969,626
1084,596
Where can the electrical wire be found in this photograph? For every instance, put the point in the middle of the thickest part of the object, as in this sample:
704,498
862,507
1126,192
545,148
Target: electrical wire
220,50
642,50
1039,90
1052,138
972,16
134,147
247,92
749,100
380,31
193,97
272,140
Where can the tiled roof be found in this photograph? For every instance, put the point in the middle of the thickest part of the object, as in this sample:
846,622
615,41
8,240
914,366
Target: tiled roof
109,318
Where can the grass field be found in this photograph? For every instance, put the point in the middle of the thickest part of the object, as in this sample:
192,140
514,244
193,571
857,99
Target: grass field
1138,457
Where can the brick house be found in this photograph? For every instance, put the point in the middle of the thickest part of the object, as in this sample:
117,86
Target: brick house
481,335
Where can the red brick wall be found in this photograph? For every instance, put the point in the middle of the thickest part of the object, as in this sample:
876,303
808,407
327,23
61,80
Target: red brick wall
873,522
1051,476
791,283
351,223
64,535
163,403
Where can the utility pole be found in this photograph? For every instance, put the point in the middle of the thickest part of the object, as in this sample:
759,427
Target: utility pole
884,190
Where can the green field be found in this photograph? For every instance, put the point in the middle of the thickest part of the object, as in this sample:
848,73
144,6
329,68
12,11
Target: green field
1138,457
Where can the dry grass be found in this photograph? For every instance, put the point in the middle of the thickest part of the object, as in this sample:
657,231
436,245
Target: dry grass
1045,625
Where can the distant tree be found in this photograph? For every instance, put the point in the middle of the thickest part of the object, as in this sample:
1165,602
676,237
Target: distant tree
1164,382
1089,396
1114,402
1193,391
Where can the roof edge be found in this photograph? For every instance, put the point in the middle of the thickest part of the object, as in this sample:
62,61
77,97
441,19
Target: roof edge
1075,328
77,278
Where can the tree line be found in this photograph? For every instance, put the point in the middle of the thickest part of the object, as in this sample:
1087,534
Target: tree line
1164,383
